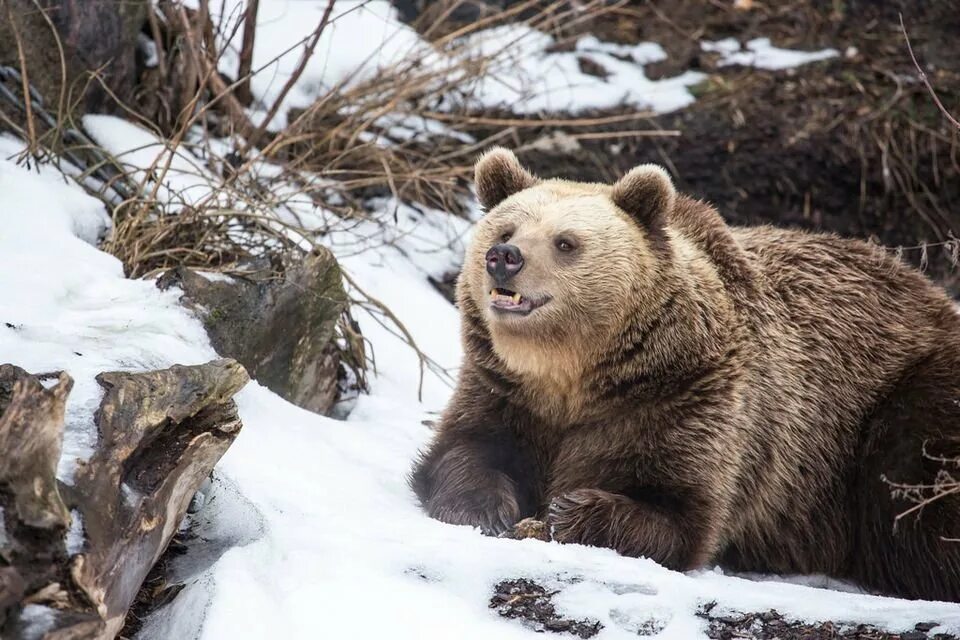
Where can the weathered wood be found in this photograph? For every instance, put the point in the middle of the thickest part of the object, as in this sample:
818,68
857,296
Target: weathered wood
31,436
161,433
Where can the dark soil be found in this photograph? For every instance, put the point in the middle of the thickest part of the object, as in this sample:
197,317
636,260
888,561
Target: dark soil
528,601
156,591
770,625
854,145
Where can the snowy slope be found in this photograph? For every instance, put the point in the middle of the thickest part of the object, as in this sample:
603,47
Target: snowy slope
337,546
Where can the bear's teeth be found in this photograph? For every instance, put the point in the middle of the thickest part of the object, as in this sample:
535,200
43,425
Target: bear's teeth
493,293
516,298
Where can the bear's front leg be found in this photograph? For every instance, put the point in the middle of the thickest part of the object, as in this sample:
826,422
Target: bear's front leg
477,471
632,528
457,484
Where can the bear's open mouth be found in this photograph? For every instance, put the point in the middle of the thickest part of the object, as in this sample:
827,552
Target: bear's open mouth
512,302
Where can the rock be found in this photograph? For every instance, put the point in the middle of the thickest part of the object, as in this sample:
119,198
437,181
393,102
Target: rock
446,285
161,433
282,331
463,12
96,35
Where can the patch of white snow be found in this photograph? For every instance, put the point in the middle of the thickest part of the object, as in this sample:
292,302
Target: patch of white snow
760,53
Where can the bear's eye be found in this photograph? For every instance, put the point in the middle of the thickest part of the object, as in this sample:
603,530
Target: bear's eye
505,236
565,244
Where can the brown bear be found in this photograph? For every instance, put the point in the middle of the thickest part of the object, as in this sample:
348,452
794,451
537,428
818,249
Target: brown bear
647,378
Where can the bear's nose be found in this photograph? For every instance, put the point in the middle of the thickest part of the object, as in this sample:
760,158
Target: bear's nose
504,261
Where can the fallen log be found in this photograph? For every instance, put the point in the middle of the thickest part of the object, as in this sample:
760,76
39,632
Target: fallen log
72,557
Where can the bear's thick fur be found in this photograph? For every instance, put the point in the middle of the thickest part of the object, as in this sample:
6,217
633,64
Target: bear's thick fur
655,381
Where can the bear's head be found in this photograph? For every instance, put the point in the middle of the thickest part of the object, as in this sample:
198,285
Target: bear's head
558,265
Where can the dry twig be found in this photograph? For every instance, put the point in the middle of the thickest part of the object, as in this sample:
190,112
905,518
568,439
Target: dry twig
926,81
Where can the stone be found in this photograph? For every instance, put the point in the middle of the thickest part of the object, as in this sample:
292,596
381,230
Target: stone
281,330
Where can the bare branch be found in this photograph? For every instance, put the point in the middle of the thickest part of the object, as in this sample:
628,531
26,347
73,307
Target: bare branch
292,80
246,51
926,81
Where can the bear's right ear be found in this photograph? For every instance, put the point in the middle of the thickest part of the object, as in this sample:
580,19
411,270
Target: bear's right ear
498,175
646,193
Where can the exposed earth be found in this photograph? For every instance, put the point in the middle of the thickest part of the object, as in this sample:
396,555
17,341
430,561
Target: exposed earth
526,600
853,145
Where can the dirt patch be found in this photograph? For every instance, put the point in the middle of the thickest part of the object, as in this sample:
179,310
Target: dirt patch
530,602
771,625
526,600
852,145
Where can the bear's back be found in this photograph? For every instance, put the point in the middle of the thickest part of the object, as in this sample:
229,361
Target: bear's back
836,319
861,282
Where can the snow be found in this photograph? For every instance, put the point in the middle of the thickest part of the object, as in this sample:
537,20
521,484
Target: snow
322,534
75,536
216,276
641,53
148,49
528,78
66,305
178,177
362,38
365,39
761,54
37,620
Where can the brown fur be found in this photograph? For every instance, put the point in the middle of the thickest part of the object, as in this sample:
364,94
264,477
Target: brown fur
697,393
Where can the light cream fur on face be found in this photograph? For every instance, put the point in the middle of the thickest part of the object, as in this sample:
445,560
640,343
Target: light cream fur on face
588,287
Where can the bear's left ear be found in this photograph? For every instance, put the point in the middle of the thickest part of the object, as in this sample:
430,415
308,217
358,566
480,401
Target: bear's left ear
498,175
646,193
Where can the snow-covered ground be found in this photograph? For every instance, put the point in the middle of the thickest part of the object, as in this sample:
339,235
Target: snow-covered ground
365,38
329,541
341,548
525,72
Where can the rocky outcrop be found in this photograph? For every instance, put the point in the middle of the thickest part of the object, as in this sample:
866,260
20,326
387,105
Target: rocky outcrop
281,330
73,557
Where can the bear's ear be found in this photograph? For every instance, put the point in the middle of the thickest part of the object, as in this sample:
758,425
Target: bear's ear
498,175
646,193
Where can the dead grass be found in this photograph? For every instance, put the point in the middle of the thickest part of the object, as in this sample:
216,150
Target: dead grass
339,152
